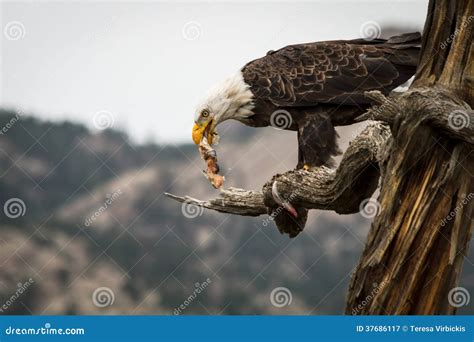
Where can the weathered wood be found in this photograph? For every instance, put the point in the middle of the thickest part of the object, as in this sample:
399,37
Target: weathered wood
448,49
412,248
418,241
451,116
233,201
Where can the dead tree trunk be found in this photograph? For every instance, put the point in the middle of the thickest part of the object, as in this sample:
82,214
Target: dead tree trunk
418,241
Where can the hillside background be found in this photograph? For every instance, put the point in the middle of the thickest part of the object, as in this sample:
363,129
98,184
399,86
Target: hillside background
141,246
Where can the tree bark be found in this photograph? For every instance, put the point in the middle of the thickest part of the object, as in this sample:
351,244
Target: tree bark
418,241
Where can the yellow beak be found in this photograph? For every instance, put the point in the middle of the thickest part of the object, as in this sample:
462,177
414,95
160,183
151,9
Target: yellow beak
198,132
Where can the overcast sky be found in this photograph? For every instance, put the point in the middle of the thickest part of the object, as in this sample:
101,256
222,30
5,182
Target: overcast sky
145,65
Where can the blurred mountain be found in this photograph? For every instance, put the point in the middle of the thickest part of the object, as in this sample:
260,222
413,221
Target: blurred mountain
94,217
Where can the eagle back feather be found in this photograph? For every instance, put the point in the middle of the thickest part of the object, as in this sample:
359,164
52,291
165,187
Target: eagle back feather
332,71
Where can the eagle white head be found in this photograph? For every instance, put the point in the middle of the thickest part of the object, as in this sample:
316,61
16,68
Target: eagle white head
230,99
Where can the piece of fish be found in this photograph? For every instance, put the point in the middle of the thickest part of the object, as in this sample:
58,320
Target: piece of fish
209,155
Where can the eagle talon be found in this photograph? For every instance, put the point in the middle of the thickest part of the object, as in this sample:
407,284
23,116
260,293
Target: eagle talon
282,202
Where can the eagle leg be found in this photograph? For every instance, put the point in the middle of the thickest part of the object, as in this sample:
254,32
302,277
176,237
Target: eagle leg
317,141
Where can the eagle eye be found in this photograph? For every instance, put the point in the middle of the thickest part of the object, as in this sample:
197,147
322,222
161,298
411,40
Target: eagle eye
205,113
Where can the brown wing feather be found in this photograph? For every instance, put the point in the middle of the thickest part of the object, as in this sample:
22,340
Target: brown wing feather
331,72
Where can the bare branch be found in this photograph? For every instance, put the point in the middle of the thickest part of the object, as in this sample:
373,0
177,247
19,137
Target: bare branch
233,201
452,117
341,190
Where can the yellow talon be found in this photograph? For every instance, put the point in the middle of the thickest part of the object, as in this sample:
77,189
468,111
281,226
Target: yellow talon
306,167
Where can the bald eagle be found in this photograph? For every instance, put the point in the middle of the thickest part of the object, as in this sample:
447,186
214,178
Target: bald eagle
308,88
